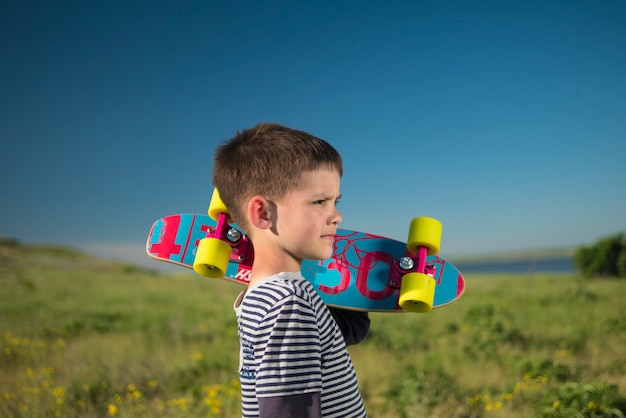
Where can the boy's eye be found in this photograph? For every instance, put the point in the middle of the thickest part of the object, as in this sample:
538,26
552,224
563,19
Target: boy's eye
324,201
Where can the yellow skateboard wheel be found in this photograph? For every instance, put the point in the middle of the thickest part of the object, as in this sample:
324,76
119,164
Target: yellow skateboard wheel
424,232
216,206
417,292
212,258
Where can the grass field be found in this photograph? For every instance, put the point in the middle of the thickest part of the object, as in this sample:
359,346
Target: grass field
83,337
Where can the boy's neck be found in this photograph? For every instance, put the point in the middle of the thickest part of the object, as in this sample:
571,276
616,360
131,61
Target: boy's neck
264,269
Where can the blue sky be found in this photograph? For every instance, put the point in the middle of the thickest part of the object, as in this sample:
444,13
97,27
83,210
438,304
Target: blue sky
505,120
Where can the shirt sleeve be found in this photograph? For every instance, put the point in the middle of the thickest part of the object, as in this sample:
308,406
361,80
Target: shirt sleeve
288,350
307,405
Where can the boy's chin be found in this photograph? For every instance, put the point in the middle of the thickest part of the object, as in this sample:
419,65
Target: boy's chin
324,255
319,256
319,253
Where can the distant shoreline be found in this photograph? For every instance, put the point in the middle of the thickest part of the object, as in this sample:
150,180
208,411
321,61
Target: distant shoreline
555,264
537,254
555,260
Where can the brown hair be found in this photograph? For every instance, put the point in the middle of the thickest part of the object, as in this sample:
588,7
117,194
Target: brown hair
267,160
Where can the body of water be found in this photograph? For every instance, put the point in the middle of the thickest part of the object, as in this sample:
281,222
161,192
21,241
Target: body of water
546,265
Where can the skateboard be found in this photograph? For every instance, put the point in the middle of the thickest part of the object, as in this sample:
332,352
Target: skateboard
366,272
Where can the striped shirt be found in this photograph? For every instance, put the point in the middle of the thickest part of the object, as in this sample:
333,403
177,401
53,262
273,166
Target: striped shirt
291,345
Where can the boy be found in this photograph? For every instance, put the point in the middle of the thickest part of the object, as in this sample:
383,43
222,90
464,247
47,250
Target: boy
281,187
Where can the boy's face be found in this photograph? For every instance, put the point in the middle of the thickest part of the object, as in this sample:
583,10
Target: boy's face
307,218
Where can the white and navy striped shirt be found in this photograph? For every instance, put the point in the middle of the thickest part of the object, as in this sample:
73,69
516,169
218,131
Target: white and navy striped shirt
291,345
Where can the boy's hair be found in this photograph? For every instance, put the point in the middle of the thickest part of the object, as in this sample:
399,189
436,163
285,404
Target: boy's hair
267,160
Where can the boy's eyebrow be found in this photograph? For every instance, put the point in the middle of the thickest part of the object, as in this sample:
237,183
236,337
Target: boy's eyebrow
328,196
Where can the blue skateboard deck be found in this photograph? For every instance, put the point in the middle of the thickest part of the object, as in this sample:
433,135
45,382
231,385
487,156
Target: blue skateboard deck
358,276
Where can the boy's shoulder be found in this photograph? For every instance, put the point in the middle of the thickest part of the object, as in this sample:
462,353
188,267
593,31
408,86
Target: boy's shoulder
279,290
282,285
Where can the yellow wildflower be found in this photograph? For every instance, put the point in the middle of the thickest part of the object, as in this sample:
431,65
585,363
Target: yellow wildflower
112,410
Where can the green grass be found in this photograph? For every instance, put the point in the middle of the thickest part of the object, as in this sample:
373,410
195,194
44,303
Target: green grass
85,337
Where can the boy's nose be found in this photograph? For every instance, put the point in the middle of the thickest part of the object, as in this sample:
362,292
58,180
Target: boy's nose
337,217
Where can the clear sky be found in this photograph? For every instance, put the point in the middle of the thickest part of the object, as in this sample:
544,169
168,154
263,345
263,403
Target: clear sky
506,120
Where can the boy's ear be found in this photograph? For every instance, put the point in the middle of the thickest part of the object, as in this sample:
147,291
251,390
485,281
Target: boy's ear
260,212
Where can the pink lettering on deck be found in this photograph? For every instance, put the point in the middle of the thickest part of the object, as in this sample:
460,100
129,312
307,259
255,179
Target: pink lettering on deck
166,245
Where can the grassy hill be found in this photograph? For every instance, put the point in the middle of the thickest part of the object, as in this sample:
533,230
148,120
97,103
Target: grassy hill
86,337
